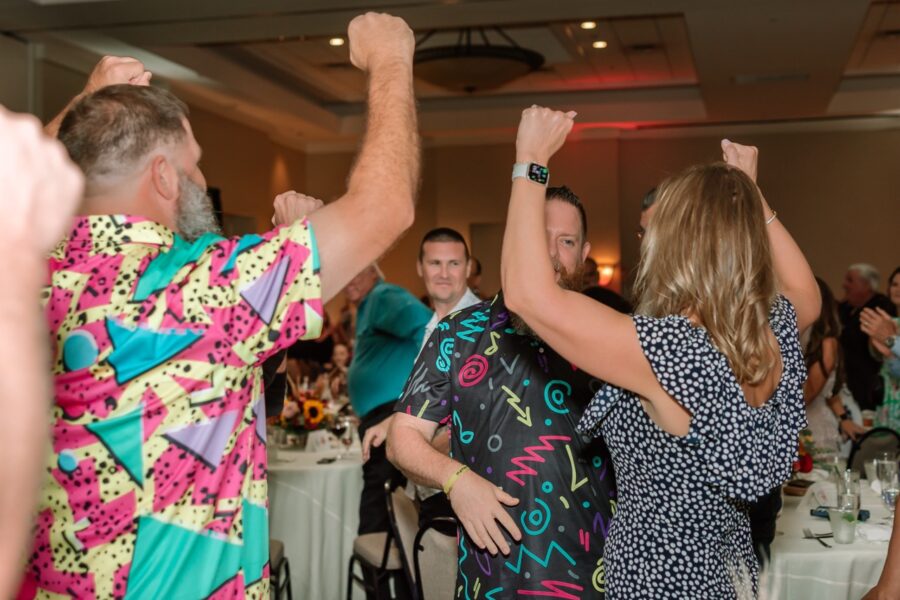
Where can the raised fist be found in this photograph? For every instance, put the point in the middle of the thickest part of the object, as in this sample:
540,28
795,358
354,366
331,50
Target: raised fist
379,37
42,187
112,70
292,206
542,132
741,157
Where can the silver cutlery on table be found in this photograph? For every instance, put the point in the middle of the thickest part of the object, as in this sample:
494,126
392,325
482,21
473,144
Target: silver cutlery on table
809,535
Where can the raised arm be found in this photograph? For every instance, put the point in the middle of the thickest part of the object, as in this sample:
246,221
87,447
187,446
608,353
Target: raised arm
111,70
378,206
41,190
598,339
795,278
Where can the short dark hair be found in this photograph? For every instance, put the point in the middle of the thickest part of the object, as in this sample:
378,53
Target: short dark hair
443,234
108,132
648,200
564,194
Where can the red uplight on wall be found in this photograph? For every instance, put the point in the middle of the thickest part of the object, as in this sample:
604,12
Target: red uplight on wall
606,272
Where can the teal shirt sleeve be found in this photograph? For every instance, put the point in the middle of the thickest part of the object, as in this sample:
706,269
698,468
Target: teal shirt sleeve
398,313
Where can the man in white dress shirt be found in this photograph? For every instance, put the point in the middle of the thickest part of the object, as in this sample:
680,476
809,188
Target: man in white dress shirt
444,265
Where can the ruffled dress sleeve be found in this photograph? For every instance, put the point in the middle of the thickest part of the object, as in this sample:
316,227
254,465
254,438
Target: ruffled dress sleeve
743,451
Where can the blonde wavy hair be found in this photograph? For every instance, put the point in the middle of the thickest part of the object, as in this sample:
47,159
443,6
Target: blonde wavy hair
706,254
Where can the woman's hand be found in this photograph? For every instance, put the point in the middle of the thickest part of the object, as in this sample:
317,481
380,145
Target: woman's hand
877,324
851,429
542,132
741,157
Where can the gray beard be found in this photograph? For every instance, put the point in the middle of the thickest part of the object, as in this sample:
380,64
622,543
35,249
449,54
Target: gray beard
194,215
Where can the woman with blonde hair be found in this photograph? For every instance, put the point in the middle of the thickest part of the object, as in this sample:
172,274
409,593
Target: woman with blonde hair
705,382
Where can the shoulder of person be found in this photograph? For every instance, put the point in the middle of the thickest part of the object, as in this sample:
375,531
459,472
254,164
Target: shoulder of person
883,302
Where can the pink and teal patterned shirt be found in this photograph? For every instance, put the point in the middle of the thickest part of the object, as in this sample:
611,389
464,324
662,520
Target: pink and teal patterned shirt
156,485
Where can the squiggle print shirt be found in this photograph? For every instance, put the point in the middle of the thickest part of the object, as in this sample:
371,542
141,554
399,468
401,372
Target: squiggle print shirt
512,405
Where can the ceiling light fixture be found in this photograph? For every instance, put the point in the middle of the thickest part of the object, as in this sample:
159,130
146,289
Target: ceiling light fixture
336,41
589,25
489,61
599,44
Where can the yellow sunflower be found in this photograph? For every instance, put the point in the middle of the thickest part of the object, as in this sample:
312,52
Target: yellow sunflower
313,413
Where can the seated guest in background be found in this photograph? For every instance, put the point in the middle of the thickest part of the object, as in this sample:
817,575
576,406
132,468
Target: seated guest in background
41,189
443,264
647,207
390,323
474,280
156,486
860,289
591,277
884,336
827,416
705,398
512,405
335,377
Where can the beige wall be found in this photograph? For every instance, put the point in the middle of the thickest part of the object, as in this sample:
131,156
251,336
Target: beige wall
466,185
838,193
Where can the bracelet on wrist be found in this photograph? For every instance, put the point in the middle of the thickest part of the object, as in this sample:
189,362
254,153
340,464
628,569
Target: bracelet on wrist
451,481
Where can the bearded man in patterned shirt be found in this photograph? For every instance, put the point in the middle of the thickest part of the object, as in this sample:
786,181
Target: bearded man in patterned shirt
518,470
156,486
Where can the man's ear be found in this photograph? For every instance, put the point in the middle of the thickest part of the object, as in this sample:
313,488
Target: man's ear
165,178
419,267
585,250
468,268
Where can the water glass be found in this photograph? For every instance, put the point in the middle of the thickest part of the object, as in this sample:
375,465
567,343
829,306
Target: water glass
886,471
843,525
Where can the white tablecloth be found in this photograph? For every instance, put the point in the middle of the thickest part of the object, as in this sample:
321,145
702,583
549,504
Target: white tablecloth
314,510
804,569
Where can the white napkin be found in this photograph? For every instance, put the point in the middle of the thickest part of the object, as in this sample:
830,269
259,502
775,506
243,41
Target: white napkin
876,486
873,532
824,492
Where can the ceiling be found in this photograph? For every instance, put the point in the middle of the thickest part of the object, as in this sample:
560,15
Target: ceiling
666,65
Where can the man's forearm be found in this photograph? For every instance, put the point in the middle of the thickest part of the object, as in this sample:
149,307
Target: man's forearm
379,204
24,391
411,452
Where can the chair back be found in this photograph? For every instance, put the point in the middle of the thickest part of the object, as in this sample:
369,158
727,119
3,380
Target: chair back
404,518
870,445
436,559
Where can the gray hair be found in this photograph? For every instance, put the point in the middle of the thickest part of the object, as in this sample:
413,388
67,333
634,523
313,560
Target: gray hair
111,132
867,272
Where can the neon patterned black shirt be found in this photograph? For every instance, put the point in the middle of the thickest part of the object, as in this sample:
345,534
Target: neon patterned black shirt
512,405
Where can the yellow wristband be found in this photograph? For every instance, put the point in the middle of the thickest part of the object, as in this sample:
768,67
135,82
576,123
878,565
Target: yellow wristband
451,481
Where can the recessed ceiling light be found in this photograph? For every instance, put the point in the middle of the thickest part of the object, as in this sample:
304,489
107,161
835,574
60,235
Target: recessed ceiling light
589,25
336,41
599,44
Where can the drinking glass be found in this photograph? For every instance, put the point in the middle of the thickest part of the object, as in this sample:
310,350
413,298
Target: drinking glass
886,471
843,525
342,428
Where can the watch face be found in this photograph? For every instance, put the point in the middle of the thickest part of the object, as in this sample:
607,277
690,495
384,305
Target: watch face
538,173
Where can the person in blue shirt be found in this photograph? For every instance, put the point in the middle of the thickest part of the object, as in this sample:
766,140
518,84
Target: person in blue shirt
390,323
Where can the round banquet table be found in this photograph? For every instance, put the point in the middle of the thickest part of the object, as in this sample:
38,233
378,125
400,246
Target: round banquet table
314,510
804,569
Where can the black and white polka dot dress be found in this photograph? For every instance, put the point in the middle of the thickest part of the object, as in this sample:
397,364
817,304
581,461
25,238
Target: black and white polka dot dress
681,528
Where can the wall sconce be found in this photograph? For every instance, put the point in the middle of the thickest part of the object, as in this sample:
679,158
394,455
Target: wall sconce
606,273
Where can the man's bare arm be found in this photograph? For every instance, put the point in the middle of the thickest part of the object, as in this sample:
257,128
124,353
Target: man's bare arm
476,501
378,206
41,190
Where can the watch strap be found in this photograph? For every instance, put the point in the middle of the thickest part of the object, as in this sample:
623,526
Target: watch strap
532,172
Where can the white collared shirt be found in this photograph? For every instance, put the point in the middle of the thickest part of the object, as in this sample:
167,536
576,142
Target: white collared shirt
468,299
